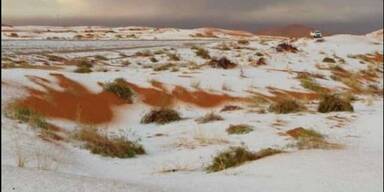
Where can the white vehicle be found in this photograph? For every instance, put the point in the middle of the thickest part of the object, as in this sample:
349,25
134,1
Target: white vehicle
316,34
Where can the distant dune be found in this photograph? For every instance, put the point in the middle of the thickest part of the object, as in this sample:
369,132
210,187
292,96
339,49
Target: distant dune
287,31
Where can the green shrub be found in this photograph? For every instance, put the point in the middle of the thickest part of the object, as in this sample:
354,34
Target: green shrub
239,129
161,116
333,103
120,88
286,106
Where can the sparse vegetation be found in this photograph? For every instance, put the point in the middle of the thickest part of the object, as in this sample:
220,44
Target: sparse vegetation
286,106
334,103
239,129
110,147
209,117
161,116
236,156
120,88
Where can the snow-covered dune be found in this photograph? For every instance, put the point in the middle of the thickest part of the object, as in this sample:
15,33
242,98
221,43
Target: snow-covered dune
66,99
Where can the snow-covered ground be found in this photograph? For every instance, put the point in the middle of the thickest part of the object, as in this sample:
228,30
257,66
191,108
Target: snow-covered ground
177,153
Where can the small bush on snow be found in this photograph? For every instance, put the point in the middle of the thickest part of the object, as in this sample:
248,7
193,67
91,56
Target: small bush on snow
236,156
161,116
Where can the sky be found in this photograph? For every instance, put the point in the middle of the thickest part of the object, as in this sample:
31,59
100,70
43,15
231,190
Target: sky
353,16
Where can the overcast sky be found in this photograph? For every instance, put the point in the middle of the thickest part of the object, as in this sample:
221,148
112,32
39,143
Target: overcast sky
356,16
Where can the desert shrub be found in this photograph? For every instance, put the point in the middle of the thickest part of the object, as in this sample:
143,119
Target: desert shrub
161,116
26,115
230,108
201,52
100,57
209,117
239,129
329,60
310,139
125,63
310,84
78,36
120,88
110,147
145,53
83,70
164,67
259,54
223,63
334,103
153,60
55,58
261,61
236,156
159,52
13,35
243,42
173,57
83,65
286,106
307,133
285,47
